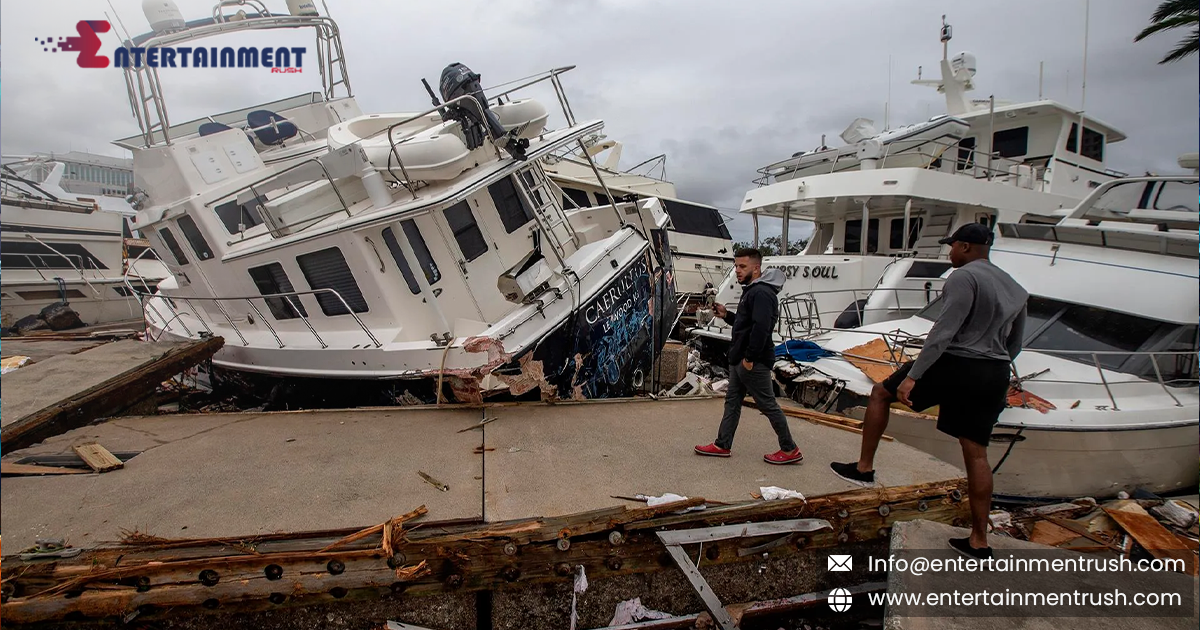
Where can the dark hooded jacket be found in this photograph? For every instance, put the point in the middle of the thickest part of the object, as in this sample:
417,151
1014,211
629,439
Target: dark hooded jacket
754,321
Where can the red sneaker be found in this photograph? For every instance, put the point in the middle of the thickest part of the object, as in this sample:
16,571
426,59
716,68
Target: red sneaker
712,450
784,457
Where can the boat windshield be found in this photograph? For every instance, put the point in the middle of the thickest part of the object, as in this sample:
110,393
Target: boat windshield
1056,325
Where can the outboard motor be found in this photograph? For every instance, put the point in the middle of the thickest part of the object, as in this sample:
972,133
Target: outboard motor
458,80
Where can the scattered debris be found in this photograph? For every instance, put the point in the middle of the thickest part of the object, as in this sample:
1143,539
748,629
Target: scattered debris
1146,530
433,482
378,529
844,423
580,587
775,493
1177,513
46,548
8,364
97,457
60,317
632,610
481,423
29,324
15,469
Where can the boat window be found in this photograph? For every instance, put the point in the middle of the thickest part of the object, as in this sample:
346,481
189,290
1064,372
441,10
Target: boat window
393,246
896,235
173,245
852,244
580,197
1011,142
693,219
272,279
513,213
966,153
602,199
1093,143
1176,195
232,214
424,257
1087,328
466,231
327,269
927,269
25,255
51,294
193,235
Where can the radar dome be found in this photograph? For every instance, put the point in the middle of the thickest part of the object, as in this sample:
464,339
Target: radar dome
163,15
963,65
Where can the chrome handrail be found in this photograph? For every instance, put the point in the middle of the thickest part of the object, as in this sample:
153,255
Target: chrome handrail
799,311
898,338
287,296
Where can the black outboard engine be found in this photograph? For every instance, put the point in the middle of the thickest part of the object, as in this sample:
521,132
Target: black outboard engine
458,80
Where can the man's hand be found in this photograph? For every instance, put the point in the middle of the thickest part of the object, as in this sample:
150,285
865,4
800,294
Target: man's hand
747,364
720,310
906,387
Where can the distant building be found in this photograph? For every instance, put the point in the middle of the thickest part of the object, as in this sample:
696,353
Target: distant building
91,174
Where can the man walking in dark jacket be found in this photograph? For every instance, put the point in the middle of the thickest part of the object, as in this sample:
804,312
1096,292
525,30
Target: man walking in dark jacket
751,355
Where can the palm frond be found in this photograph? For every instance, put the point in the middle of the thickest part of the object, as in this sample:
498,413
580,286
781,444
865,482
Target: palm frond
1169,23
1186,48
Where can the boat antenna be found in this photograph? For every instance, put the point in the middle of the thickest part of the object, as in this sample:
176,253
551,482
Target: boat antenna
888,106
1087,6
1041,73
118,20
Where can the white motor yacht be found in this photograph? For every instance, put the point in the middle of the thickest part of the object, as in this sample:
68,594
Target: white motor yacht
1108,398
878,206
421,255
63,247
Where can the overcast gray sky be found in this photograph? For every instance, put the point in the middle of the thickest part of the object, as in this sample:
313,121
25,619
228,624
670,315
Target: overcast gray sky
721,87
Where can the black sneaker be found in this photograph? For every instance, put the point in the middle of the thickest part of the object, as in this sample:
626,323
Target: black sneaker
963,546
850,473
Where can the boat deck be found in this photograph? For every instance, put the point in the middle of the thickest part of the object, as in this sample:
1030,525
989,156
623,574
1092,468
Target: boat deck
211,475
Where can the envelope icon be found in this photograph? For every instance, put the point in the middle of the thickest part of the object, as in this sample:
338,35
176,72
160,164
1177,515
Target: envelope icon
840,562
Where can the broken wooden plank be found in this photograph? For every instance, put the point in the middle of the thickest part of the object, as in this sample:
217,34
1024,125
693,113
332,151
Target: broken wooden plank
825,419
1051,534
97,457
109,397
433,482
375,529
1082,530
13,468
1149,533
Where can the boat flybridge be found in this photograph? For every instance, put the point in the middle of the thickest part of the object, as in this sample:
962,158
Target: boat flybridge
701,246
61,247
424,255
1108,398
879,205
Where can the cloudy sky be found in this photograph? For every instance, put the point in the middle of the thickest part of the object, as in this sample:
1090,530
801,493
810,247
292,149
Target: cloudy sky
721,87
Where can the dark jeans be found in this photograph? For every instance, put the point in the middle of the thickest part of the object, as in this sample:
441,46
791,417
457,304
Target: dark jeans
756,382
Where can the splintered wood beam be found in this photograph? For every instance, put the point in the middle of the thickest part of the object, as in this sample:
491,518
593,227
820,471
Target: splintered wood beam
12,468
376,529
112,581
97,457
824,419
108,398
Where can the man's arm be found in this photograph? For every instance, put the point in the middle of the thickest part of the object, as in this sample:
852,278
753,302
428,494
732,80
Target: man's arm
761,309
1016,335
728,316
959,295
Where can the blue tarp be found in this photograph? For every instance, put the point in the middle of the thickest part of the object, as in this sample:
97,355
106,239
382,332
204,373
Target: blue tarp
798,350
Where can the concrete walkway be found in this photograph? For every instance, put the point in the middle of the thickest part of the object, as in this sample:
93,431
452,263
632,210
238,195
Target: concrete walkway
244,474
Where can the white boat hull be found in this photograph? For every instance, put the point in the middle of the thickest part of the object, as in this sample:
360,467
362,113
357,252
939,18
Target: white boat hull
1046,462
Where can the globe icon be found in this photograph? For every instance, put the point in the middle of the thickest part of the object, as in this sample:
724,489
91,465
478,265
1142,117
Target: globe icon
840,600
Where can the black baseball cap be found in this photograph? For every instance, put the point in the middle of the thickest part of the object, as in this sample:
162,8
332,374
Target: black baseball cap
976,233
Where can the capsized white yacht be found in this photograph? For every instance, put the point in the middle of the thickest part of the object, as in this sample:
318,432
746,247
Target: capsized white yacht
878,206
1109,399
63,247
394,257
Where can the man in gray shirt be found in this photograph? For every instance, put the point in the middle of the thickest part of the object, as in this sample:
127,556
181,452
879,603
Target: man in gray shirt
963,368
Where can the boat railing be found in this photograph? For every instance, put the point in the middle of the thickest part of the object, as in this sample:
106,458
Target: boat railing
291,298
469,100
315,170
801,317
897,341
964,161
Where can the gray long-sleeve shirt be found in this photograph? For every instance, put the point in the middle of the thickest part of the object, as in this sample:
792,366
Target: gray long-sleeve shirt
983,317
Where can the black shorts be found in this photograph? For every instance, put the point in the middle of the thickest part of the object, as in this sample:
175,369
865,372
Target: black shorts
970,394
